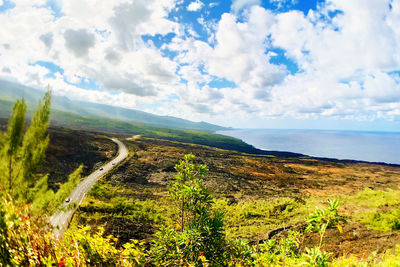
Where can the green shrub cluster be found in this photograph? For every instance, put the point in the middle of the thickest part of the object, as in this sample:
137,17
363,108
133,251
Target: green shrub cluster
132,209
252,218
383,221
26,240
374,198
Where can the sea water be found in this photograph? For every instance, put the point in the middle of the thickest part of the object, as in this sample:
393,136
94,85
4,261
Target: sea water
353,145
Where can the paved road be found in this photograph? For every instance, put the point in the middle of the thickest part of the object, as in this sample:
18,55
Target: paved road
61,220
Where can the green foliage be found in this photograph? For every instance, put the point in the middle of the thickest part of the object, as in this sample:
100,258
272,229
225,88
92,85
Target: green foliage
132,209
323,219
374,198
25,242
383,221
22,240
189,193
250,219
147,131
22,154
376,209
35,141
48,202
10,146
199,235
239,253
316,257
94,250
280,252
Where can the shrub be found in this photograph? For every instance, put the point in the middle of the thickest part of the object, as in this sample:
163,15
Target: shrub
323,219
198,236
387,221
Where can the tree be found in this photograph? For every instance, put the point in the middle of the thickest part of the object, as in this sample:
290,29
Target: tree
35,144
22,154
11,142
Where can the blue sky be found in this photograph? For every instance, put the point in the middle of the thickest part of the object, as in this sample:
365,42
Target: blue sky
241,63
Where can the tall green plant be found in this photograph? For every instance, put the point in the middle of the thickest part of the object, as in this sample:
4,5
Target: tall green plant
199,234
35,142
23,152
323,219
11,144
188,191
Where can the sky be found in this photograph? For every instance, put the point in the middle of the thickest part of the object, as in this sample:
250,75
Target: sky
317,64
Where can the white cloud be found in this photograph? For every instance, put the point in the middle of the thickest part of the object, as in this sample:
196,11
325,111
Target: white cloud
239,54
344,61
98,45
347,63
1,2
47,39
79,41
238,5
195,6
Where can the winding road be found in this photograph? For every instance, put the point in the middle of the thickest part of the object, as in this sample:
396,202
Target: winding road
61,220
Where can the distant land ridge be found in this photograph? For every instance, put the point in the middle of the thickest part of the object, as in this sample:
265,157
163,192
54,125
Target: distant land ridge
12,91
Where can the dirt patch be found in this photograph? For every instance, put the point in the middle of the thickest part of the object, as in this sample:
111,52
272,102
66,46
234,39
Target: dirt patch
356,239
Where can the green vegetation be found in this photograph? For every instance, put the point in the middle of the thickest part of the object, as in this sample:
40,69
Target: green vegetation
192,227
75,121
115,126
12,91
196,239
47,201
374,198
323,219
198,236
376,209
252,219
22,151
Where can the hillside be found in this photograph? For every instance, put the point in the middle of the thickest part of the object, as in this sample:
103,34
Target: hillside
112,126
12,91
259,194
263,198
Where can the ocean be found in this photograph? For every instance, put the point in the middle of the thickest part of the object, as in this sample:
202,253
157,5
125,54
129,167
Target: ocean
353,145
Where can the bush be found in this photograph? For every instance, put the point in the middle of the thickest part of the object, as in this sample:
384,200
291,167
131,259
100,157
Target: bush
198,236
387,221
323,219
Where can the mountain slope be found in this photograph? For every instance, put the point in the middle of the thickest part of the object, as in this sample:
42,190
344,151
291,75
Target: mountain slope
117,127
11,91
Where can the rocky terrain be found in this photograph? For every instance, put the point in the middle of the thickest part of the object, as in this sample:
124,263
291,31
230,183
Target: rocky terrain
258,194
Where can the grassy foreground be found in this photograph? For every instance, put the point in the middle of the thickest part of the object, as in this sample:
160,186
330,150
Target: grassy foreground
26,241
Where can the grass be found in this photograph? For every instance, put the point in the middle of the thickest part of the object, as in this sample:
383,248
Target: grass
382,221
246,219
105,201
253,219
376,209
374,198
115,126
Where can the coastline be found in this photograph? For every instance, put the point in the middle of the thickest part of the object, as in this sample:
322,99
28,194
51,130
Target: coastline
302,134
